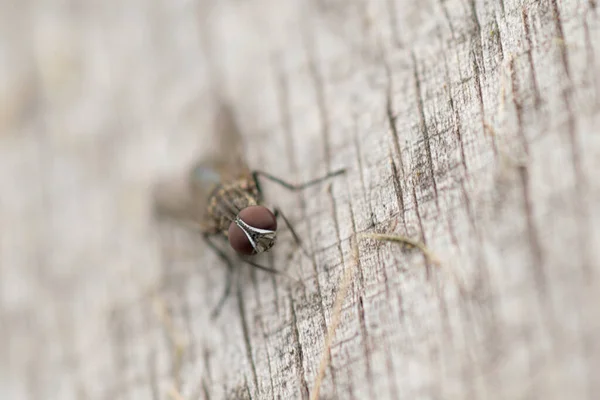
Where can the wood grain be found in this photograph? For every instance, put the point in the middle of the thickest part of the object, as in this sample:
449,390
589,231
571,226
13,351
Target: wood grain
470,126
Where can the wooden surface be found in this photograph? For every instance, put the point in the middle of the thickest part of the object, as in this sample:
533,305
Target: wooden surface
472,126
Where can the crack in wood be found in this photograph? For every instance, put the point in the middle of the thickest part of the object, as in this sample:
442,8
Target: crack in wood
479,89
266,337
498,35
423,128
455,116
421,232
561,37
361,174
477,36
359,271
532,232
298,353
364,337
285,109
533,77
518,106
391,119
399,193
246,333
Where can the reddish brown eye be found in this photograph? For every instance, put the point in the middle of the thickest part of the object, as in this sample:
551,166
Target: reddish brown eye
255,216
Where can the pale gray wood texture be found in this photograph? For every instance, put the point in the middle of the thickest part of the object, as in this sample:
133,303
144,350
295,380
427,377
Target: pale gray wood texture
473,126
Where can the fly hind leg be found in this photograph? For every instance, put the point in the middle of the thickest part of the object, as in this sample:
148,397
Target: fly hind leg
229,276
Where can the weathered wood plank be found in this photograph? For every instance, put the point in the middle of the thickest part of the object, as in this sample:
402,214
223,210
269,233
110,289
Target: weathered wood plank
471,126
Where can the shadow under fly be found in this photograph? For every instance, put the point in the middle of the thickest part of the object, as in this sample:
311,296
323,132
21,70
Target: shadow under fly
223,200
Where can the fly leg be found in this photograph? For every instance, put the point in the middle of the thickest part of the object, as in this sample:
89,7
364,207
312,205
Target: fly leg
261,267
270,270
229,277
215,312
291,186
278,213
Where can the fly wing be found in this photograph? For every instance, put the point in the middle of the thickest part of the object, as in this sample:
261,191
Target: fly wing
186,200
227,162
174,200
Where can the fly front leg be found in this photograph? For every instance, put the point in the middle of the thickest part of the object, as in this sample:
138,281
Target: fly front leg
278,213
270,270
293,187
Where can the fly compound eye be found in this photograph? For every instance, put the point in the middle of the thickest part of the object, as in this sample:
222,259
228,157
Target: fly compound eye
253,231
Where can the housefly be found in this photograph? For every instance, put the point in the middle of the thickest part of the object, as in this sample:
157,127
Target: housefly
223,200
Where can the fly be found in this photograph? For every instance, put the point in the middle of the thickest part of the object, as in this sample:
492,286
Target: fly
223,199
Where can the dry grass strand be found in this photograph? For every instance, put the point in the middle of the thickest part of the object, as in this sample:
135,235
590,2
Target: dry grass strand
431,257
345,282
